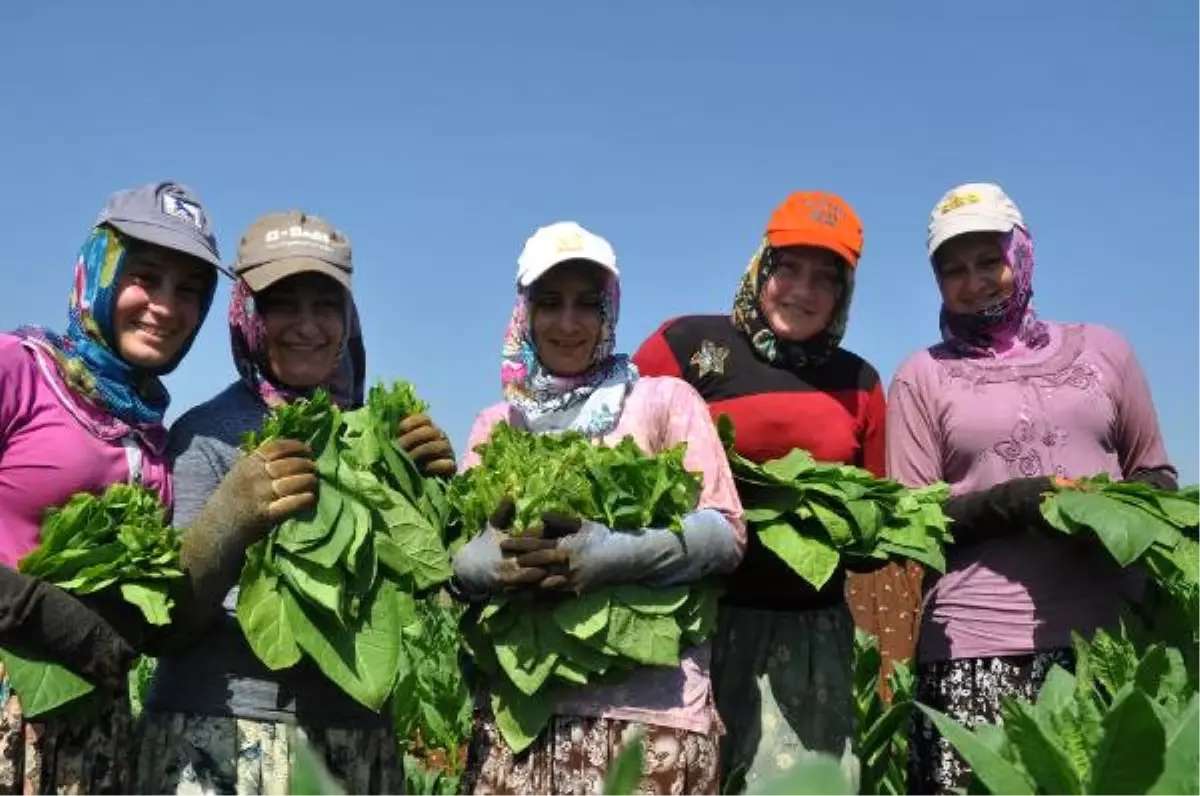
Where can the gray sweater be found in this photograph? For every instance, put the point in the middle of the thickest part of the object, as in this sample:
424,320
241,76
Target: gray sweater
219,675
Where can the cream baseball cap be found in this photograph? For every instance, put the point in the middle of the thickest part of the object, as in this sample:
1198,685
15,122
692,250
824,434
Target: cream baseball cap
972,207
558,243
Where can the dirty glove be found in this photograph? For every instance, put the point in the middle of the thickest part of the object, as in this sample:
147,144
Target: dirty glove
490,562
47,622
426,445
595,555
265,487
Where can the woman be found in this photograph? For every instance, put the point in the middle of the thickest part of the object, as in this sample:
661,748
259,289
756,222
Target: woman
80,411
1005,404
216,716
783,658
560,373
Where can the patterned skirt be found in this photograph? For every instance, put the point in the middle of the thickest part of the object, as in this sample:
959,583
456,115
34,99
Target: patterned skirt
86,753
215,754
573,755
968,690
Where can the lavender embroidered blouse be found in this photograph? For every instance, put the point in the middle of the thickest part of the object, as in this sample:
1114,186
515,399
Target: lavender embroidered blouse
659,412
1076,407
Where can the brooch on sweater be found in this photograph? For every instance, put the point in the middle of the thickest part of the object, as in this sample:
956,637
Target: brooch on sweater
710,358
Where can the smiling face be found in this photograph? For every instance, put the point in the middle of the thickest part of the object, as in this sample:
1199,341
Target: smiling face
799,298
566,312
304,317
159,296
972,272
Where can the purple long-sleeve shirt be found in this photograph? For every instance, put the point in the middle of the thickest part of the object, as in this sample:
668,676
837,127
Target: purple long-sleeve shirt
1076,407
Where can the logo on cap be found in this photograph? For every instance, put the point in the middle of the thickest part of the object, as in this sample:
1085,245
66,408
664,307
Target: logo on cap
569,242
959,200
176,206
823,211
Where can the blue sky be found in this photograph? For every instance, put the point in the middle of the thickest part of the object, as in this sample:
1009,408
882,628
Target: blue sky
439,136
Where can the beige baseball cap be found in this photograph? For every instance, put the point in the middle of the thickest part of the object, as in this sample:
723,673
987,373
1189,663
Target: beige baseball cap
972,207
279,245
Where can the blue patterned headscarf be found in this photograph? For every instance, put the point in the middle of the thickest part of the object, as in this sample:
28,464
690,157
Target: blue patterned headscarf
126,397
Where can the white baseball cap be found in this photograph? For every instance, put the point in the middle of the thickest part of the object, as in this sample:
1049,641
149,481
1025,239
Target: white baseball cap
972,207
557,243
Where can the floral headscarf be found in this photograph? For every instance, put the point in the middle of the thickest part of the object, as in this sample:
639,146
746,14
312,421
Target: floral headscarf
984,333
748,316
248,339
590,402
112,397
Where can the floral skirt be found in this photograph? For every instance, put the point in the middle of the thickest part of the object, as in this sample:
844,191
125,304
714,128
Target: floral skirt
86,753
784,689
573,755
216,754
968,690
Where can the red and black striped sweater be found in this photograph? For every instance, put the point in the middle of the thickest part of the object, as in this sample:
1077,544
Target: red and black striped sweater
835,411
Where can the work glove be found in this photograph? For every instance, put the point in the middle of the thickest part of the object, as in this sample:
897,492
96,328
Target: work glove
593,555
276,481
427,445
490,562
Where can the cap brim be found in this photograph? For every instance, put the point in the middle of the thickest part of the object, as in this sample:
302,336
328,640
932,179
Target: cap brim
964,224
780,239
261,277
534,274
169,239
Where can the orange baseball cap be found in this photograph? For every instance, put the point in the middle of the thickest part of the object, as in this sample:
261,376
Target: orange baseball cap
814,218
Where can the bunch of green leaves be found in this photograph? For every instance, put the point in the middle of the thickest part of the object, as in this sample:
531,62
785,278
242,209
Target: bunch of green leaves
337,583
619,486
1126,722
1157,529
115,541
813,514
881,726
534,652
432,704
530,649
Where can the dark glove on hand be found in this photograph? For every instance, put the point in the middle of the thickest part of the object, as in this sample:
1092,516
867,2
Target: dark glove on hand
1008,508
539,549
427,445
48,622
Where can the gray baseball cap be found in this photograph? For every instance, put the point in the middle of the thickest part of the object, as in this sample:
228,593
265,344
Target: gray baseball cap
279,245
166,214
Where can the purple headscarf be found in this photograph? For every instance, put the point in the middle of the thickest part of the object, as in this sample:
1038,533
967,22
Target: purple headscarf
988,332
248,337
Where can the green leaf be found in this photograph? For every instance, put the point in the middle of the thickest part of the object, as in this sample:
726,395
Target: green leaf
42,686
645,600
812,559
364,661
647,639
625,772
997,774
320,586
520,720
413,545
584,616
260,612
1124,530
1131,754
151,598
1181,768
1039,748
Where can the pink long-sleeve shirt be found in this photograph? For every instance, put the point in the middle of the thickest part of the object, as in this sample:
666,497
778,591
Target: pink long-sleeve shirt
1076,407
46,456
659,412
